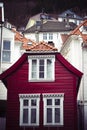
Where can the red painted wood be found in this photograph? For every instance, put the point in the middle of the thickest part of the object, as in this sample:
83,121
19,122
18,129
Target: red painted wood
66,78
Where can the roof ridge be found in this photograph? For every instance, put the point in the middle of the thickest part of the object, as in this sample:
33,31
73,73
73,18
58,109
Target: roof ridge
43,43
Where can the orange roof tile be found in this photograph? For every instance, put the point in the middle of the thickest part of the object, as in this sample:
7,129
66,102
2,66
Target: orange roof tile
64,37
42,46
77,31
20,37
24,40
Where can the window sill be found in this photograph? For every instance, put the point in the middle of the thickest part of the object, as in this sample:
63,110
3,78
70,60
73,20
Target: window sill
41,80
54,125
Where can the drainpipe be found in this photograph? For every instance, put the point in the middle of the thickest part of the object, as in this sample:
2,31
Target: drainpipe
1,27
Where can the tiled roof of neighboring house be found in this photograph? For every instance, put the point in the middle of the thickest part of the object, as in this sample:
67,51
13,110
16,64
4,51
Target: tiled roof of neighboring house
71,14
38,17
52,26
24,40
20,37
64,37
41,46
78,31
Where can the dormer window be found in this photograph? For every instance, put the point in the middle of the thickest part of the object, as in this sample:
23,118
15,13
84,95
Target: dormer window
41,68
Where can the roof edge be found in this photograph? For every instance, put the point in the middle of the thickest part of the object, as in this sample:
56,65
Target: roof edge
69,66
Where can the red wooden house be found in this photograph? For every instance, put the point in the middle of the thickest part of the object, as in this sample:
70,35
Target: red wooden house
42,91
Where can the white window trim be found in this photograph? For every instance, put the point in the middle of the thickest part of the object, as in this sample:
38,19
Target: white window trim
50,36
53,96
29,97
4,50
45,57
44,36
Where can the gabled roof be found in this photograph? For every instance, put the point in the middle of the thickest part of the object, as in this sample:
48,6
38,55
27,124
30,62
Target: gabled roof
64,37
41,46
52,26
23,39
77,31
4,76
38,17
71,14
20,37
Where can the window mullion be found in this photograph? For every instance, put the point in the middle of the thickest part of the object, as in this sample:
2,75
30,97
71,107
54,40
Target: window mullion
53,112
38,64
37,111
45,69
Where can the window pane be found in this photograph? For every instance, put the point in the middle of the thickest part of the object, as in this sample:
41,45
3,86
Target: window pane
25,102
50,36
34,74
33,115
33,102
6,56
41,68
34,65
44,36
6,45
34,68
41,75
49,101
57,115
49,68
57,101
25,115
42,62
49,115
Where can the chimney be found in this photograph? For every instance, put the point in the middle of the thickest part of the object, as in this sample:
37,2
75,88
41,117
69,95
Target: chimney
1,13
67,20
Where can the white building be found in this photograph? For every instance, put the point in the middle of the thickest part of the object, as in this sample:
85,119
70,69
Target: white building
70,16
75,51
11,49
49,31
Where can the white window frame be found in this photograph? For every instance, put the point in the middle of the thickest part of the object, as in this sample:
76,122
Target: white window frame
44,36
29,97
45,57
6,50
53,97
50,36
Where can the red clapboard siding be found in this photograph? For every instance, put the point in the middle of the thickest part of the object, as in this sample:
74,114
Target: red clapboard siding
65,82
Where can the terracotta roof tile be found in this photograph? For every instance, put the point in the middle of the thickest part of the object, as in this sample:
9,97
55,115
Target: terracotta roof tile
41,46
77,31
64,37
20,37
26,42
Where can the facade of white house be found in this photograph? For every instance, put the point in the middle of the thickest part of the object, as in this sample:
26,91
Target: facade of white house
10,52
70,16
53,37
49,32
75,51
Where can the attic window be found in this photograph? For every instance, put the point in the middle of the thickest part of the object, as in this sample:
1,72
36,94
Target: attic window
41,68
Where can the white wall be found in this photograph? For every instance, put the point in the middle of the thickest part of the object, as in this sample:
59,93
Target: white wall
56,38
15,54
